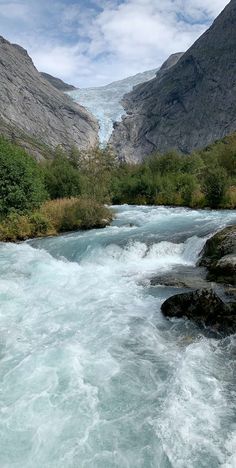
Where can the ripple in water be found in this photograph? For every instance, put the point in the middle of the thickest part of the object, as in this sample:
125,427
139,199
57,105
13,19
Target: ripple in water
91,373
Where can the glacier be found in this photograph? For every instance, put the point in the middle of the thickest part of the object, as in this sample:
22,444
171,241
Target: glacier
104,102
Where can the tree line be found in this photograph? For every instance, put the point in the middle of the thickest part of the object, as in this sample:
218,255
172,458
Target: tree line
206,178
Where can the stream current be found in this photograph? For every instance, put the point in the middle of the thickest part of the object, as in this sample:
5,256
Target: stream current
91,374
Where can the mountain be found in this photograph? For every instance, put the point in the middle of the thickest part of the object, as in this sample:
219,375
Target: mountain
33,112
104,102
188,106
57,83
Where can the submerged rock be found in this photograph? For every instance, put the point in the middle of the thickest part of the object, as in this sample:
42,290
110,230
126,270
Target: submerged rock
205,308
183,277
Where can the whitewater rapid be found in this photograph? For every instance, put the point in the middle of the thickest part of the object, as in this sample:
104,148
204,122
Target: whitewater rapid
91,374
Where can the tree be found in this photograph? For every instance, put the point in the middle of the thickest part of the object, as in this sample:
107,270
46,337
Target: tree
96,167
215,186
62,179
21,180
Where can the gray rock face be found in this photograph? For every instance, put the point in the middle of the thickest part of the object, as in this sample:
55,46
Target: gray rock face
57,82
189,105
31,108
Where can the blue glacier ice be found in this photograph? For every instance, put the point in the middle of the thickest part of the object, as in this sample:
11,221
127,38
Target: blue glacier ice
104,102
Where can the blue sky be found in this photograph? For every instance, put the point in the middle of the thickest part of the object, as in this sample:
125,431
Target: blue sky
92,42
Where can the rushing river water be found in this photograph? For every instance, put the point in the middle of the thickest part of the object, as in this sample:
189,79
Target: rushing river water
91,374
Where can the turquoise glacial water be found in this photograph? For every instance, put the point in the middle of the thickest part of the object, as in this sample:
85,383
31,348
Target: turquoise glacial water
91,374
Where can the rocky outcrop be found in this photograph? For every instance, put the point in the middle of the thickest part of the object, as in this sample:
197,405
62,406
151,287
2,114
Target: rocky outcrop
189,105
203,307
207,303
219,256
57,82
34,112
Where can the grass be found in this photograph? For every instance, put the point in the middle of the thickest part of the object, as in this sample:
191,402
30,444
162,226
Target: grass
54,217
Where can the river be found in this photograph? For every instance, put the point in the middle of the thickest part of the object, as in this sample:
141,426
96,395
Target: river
91,374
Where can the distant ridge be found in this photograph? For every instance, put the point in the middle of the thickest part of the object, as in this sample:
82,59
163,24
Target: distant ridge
57,82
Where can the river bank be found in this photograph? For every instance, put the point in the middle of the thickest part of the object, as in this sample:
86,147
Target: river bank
55,217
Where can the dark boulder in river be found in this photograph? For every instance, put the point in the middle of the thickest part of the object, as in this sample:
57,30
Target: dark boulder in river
219,256
203,307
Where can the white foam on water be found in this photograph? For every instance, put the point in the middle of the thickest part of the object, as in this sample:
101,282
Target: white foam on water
91,374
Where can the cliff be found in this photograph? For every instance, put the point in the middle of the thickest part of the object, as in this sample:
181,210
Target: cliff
33,112
189,105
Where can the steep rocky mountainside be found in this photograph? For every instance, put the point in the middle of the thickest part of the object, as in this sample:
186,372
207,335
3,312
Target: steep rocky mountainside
188,106
33,111
57,82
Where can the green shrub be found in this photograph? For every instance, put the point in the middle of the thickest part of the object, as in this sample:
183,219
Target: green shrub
215,186
21,181
40,225
15,227
55,216
62,179
96,168
75,213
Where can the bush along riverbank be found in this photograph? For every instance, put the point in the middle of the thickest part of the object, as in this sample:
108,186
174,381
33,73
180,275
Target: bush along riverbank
55,217
214,304
43,200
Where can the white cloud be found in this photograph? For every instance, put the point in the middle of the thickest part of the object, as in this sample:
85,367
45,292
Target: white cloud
140,34
61,61
115,41
14,10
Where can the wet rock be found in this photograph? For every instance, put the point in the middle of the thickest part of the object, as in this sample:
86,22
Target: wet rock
205,308
225,269
219,256
184,277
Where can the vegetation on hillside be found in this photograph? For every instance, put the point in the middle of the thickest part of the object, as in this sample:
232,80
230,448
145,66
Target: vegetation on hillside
21,180
68,191
205,178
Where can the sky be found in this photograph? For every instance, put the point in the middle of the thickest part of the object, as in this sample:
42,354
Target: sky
94,42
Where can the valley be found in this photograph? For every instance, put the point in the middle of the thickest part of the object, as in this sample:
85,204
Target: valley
117,234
